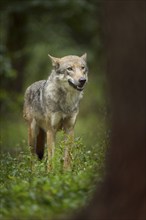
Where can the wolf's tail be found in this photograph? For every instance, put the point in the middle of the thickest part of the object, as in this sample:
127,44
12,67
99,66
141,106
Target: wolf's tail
40,145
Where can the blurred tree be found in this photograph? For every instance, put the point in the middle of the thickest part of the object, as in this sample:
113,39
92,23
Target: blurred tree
33,28
15,45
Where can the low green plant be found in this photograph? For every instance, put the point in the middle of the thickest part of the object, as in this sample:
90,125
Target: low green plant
28,193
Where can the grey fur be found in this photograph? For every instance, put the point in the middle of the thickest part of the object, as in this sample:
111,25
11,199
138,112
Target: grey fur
48,103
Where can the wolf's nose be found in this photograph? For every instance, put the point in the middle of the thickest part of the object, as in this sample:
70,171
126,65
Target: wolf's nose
82,81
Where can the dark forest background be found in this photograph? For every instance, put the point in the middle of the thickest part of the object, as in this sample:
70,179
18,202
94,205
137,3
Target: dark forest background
30,30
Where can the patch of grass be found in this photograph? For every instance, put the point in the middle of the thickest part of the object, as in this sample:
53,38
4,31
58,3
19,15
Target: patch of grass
28,193
13,133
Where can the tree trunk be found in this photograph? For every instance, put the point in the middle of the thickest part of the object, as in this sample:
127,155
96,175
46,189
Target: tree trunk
15,43
122,196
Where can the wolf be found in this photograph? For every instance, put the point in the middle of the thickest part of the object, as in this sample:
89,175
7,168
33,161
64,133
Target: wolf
53,104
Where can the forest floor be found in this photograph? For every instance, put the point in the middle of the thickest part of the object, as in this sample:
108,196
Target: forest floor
33,193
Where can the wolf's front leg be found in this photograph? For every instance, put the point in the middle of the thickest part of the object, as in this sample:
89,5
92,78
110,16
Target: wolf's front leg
51,147
69,139
68,127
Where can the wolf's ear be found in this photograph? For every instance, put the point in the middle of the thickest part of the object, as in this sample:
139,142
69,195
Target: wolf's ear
84,56
55,61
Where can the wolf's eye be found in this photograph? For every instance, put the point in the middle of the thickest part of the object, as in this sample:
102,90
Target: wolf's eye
83,67
70,68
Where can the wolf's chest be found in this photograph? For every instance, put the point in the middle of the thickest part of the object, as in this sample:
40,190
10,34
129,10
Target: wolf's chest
61,102
68,103
58,120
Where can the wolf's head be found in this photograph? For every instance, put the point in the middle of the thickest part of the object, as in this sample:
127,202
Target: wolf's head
71,71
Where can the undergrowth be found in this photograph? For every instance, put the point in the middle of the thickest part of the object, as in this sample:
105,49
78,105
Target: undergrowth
28,193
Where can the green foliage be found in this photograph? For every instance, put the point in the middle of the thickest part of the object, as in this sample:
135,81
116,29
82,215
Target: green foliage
32,193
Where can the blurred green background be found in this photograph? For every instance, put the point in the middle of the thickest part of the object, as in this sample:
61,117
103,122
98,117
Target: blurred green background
29,31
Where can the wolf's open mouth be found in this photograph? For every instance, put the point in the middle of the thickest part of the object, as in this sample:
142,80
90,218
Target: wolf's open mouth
71,83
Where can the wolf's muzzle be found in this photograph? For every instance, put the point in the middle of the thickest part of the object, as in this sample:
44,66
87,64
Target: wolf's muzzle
82,81
79,85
